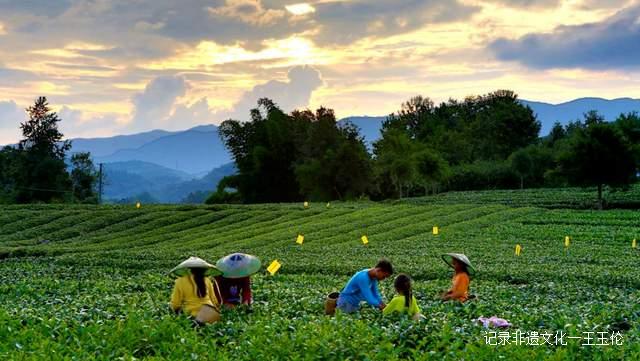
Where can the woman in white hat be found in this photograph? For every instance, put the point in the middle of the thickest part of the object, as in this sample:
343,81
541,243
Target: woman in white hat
235,281
193,292
460,283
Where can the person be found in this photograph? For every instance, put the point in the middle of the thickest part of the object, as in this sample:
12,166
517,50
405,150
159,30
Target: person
363,286
460,283
404,301
193,291
235,281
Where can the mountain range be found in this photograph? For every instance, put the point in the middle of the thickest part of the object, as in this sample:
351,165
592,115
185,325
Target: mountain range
167,166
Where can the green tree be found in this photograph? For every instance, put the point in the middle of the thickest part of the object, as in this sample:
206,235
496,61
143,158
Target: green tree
398,157
40,131
598,155
334,162
265,151
83,178
501,125
42,175
629,125
522,164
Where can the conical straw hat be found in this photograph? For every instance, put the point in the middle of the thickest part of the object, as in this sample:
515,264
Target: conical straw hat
238,265
448,258
185,267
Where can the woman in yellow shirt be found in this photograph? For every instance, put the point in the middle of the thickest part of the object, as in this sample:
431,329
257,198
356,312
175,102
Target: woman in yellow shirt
193,292
460,283
405,301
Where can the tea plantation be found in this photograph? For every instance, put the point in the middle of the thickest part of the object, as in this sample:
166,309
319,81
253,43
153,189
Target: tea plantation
87,282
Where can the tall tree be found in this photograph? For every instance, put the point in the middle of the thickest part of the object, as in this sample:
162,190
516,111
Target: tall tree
42,175
265,152
40,131
598,155
334,162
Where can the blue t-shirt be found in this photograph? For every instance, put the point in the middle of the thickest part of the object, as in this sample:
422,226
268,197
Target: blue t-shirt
360,288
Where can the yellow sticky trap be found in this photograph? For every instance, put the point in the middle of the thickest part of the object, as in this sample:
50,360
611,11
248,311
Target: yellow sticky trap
518,249
567,241
138,205
306,204
300,239
436,230
364,239
274,267
634,244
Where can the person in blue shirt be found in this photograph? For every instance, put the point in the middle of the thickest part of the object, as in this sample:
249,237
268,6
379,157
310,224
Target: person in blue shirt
363,286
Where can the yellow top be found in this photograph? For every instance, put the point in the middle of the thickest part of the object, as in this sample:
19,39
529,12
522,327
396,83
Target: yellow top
185,295
397,305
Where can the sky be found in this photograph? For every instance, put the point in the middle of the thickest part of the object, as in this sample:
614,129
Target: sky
125,66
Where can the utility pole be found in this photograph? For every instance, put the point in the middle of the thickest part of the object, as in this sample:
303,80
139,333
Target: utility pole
100,185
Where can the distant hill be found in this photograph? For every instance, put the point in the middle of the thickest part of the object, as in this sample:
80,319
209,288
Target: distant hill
101,147
177,193
136,179
193,151
125,179
548,114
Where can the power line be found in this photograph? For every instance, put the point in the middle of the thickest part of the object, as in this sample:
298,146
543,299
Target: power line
100,185
43,190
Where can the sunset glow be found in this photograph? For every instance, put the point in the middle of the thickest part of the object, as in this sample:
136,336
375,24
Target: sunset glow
357,56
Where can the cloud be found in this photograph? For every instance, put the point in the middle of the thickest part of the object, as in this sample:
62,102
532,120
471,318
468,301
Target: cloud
197,113
11,115
249,11
610,44
528,3
154,105
159,105
13,77
343,22
289,95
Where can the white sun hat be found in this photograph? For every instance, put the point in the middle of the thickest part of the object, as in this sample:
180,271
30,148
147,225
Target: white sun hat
185,267
448,258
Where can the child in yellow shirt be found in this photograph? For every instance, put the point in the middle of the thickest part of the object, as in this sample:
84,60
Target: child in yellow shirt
405,301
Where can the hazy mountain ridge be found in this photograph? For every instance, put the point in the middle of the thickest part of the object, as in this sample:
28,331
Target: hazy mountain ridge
172,164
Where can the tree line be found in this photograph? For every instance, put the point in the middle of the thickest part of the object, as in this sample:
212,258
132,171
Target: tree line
37,169
482,142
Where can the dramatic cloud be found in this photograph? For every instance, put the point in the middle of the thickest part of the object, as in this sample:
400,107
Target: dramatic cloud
197,113
610,44
292,94
154,105
344,22
115,66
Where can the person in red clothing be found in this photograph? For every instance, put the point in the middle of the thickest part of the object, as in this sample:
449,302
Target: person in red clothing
235,291
235,282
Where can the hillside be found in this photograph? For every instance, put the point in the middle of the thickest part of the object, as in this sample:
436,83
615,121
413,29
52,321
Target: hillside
124,179
95,283
193,151
101,147
130,180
